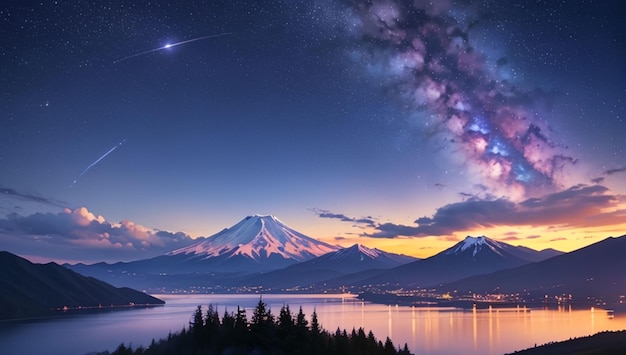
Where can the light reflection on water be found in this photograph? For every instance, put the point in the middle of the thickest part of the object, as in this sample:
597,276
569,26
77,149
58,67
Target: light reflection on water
425,330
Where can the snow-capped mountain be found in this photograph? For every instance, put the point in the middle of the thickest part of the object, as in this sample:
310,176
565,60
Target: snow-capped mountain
469,257
474,245
359,257
594,272
258,238
257,243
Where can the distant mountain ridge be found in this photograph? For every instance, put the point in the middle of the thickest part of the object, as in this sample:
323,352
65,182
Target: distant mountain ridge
364,255
354,259
262,253
469,257
37,289
594,271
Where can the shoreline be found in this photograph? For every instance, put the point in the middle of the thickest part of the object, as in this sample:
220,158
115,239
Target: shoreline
59,312
416,301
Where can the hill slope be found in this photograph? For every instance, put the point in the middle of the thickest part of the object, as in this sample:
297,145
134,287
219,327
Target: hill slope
603,343
35,289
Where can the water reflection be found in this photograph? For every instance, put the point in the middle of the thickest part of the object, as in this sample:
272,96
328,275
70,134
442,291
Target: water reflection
425,330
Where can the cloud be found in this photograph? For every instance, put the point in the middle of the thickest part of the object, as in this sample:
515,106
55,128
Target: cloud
607,173
467,195
615,171
577,206
598,180
25,196
339,216
81,234
367,221
512,237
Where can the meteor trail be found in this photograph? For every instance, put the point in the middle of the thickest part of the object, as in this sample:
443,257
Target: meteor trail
170,45
96,162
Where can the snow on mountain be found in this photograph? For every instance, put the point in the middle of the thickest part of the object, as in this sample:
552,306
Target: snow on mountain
480,243
258,243
258,237
345,261
469,257
475,244
358,251
588,274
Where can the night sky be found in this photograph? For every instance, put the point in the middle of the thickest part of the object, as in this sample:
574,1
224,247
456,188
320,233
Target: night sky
128,128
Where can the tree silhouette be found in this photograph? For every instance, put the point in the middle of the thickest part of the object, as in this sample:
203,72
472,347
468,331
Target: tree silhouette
263,334
262,326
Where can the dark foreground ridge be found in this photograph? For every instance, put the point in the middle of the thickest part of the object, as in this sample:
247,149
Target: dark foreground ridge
263,334
603,343
34,290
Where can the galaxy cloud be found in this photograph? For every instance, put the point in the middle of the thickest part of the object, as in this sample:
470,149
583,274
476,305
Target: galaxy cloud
424,54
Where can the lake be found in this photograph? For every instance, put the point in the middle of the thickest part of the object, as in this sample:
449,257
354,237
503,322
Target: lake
425,330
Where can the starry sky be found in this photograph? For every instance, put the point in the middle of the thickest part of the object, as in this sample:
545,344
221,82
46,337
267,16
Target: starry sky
128,129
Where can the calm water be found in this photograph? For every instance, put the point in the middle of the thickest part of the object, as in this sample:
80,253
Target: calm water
425,330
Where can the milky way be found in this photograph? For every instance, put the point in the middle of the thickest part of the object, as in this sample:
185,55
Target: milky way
425,54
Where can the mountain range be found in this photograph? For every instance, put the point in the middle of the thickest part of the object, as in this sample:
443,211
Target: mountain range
258,250
40,289
346,261
255,244
472,256
595,271
263,254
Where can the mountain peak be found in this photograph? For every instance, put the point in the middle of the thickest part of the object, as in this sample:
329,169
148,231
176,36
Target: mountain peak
258,237
360,249
475,243
263,217
364,254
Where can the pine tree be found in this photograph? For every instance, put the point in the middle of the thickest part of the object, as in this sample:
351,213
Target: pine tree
389,348
371,340
228,321
285,318
302,335
262,316
287,331
315,326
197,324
123,350
262,325
301,322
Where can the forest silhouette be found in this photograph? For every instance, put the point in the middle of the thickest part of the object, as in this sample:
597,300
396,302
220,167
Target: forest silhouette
264,333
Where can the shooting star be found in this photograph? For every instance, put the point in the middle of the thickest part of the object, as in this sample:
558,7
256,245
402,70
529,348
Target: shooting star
170,45
96,162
